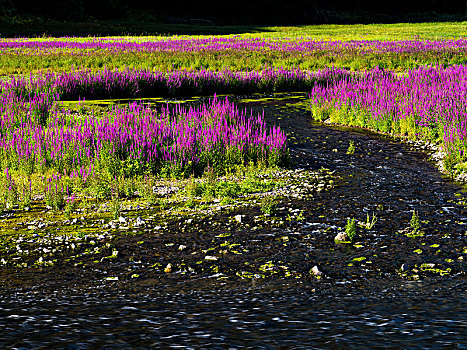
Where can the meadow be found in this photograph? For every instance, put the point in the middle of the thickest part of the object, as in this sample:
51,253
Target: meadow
237,53
406,80
400,79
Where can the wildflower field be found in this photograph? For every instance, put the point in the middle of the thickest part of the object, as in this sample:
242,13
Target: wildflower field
408,87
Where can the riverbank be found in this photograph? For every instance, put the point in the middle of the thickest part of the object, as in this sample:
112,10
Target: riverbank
227,247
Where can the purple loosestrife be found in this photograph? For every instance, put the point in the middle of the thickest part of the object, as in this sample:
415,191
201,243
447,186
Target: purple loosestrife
84,47
40,92
426,103
133,140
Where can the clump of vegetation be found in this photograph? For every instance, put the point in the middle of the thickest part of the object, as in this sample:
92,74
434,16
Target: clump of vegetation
330,48
410,105
194,188
9,190
70,206
115,207
369,223
245,180
349,233
54,192
25,194
107,155
351,149
415,223
145,188
211,185
351,229
268,205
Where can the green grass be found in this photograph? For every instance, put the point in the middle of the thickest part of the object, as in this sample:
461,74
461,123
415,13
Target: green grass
26,27
31,61
386,32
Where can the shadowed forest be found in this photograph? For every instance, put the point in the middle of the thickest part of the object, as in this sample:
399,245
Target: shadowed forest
235,12
145,17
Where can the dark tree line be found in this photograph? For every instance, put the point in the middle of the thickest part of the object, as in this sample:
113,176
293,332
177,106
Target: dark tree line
240,11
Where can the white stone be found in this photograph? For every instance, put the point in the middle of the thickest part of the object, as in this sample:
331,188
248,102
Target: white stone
341,237
316,271
139,221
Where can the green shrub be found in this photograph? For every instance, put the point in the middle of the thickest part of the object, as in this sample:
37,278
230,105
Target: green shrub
351,229
268,205
415,222
351,149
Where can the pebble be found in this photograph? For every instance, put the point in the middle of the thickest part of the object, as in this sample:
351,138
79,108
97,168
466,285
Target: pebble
168,268
139,221
111,278
316,271
341,237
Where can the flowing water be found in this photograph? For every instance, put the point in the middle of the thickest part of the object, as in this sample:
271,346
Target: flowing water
355,309
259,319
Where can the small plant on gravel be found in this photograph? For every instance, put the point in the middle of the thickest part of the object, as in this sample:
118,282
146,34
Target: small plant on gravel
415,222
146,189
228,189
370,222
252,181
300,216
163,203
54,193
268,205
226,200
9,191
351,229
130,187
194,188
115,207
210,182
70,206
351,149
190,203
26,194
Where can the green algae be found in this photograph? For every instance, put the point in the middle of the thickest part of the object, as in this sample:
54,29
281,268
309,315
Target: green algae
362,258
429,267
